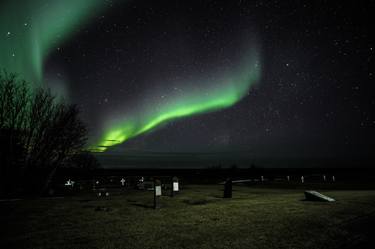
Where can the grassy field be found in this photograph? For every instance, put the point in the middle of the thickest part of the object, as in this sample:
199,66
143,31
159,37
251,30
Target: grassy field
198,217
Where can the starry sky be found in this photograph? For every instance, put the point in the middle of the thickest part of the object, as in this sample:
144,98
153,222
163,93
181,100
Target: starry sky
269,79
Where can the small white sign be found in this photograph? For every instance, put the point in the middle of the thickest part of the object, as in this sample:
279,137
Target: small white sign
158,190
175,186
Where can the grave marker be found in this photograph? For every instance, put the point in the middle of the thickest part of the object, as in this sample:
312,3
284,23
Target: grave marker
140,184
333,178
287,178
228,188
175,186
123,182
69,183
157,193
324,178
312,195
302,179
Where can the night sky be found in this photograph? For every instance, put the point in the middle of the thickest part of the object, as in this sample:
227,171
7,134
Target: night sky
267,78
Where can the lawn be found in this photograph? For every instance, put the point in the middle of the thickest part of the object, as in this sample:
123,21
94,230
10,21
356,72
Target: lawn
198,217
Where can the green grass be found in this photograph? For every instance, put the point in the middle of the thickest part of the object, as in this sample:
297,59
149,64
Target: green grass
196,218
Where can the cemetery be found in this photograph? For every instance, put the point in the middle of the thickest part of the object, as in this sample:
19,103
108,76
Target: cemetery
170,211
187,124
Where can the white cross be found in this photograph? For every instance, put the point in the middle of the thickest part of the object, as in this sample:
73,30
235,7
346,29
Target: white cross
69,183
122,181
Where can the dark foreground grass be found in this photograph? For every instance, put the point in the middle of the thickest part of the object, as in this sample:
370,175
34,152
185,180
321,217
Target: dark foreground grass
196,218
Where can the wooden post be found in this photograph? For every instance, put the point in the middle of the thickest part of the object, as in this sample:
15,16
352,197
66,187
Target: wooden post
228,188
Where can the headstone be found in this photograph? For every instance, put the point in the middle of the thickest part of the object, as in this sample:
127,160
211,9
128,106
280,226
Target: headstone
175,186
123,182
288,178
262,178
312,195
141,184
324,178
99,194
228,188
158,190
302,179
106,193
157,193
333,178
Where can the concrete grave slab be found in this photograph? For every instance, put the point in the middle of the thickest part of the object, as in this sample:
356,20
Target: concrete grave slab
312,195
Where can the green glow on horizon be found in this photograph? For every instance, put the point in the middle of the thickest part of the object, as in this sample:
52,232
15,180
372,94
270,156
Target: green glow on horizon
218,97
30,29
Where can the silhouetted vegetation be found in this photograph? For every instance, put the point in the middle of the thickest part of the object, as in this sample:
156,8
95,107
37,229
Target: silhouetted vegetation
38,134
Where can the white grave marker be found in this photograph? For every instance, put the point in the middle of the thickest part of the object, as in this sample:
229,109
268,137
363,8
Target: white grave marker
175,186
333,178
69,183
158,190
122,182
302,179
324,178
288,178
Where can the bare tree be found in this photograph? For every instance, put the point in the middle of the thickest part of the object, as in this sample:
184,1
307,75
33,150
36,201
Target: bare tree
38,133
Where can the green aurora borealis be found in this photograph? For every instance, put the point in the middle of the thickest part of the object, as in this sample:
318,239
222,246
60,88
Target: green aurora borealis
28,37
215,97
31,29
